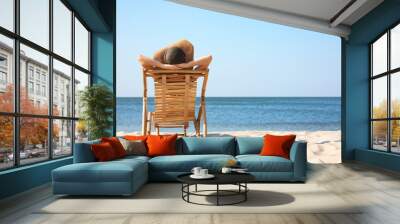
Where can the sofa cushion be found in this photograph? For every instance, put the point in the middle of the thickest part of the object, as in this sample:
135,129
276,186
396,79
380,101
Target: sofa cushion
208,145
83,153
134,147
185,163
249,145
161,145
116,145
277,145
103,152
257,163
131,158
112,171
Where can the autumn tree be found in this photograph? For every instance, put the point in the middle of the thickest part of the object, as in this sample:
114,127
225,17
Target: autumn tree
33,131
380,127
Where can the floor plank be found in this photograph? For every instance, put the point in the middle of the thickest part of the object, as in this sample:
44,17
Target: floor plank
376,189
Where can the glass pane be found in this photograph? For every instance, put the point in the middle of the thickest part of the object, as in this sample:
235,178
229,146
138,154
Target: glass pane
81,131
395,138
6,142
379,135
379,55
395,94
81,45
81,81
7,14
379,97
62,89
62,29
35,21
62,138
6,74
33,139
395,47
34,97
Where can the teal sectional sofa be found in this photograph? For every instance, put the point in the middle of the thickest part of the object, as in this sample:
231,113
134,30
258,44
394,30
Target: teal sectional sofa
125,176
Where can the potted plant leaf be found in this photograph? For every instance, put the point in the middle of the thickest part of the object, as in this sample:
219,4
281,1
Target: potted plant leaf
96,103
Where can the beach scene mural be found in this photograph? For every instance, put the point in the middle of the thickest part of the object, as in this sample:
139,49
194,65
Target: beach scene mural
263,78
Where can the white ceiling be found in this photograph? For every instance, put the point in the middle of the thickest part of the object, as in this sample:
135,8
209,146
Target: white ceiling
326,16
321,9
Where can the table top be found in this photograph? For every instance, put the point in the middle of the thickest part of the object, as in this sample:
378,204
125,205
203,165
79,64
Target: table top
220,178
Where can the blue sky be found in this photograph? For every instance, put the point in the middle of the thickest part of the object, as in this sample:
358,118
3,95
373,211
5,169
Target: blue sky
251,58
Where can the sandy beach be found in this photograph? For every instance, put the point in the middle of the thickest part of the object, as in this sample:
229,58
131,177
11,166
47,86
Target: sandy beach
323,146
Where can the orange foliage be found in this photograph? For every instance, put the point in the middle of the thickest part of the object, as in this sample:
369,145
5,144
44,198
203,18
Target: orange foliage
33,130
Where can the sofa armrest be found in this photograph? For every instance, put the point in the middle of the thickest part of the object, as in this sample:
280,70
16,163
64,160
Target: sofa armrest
298,155
83,152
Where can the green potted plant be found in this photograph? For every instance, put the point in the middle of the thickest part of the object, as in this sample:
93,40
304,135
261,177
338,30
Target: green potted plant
96,103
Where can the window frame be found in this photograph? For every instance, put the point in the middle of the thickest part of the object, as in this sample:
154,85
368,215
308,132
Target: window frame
388,74
16,114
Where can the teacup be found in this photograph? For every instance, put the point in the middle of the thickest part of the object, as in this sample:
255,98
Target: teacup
203,172
226,170
196,171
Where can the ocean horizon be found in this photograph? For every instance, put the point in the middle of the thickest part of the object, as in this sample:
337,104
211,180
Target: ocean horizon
249,114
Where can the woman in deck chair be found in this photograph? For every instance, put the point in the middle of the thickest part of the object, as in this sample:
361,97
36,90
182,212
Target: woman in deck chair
178,55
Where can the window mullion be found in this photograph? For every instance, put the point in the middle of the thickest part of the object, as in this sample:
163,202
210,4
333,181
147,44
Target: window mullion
50,81
16,84
389,101
73,81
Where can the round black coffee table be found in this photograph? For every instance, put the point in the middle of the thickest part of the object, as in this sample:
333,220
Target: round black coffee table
238,179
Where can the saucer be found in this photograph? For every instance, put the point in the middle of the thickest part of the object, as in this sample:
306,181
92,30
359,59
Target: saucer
208,176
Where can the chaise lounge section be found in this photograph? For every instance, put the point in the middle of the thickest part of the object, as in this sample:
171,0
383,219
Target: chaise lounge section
125,176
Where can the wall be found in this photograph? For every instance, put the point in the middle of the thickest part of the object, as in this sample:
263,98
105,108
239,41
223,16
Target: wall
100,16
24,178
356,83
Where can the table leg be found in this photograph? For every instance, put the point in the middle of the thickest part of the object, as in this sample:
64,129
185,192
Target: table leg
195,188
245,193
217,194
182,189
188,190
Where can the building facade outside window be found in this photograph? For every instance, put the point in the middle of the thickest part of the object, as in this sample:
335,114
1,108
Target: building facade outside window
385,91
45,131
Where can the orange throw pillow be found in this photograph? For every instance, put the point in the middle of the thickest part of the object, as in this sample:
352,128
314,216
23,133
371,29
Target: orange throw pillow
116,145
277,145
161,145
103,152
135,137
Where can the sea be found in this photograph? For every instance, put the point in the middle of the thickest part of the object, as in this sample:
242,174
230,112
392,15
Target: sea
249,113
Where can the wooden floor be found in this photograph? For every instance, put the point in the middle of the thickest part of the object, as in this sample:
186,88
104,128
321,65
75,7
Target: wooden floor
378,189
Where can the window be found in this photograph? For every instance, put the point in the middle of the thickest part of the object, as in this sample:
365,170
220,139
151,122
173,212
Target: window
81,45
37,90
62,29
35,21
7,14
44,91
33,147
81,82
37,74
47,77
62,137
6,142
6,73
3,72
62,74
385,91
30,72
30,87
3,61
3,78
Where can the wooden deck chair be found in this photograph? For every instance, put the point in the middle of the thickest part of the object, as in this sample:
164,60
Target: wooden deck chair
174,100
